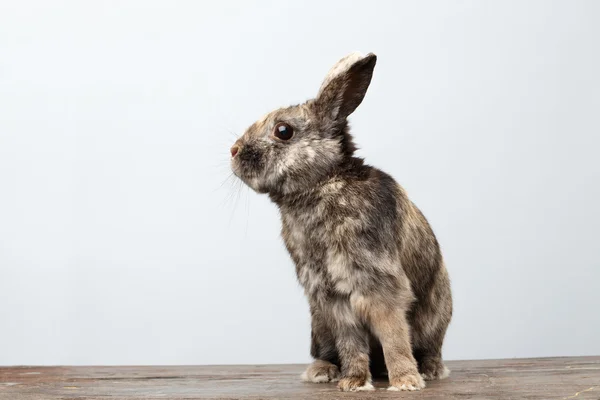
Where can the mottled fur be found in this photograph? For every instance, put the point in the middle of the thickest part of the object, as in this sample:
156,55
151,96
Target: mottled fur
367,258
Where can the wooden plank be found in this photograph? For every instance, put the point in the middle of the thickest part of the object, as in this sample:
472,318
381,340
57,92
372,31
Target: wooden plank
546,378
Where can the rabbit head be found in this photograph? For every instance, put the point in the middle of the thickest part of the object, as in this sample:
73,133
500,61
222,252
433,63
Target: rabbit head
292,149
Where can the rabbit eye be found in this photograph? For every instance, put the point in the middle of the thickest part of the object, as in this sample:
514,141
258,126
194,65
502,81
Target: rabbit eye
283,131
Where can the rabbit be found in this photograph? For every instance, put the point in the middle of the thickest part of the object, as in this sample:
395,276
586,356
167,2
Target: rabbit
368,260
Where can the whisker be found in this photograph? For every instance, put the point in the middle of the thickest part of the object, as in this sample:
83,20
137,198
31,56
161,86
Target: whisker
247,210
228,179
226,118
235,136
222,164
238,190
230,193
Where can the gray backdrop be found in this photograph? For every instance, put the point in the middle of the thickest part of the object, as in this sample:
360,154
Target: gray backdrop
118,244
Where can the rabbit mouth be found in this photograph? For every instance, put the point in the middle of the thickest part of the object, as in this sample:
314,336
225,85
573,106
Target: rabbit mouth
250,175
249,165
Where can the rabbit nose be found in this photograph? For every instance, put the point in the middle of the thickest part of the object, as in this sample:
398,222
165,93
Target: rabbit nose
234,150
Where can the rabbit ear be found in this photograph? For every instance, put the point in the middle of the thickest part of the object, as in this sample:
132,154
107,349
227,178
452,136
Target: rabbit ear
345,85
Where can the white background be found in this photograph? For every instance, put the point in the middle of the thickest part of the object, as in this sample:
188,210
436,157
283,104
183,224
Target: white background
118,244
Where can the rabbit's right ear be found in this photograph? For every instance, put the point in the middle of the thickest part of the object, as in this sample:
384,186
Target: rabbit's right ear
345,86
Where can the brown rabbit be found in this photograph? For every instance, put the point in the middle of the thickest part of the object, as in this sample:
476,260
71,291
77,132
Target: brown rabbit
367,258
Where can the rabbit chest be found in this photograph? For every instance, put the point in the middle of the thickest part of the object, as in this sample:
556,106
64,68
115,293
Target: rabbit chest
320,268
336,249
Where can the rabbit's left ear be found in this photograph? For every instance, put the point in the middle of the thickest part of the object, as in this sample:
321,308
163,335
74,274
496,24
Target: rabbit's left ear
345,85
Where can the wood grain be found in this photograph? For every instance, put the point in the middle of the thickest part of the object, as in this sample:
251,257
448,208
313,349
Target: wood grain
547,378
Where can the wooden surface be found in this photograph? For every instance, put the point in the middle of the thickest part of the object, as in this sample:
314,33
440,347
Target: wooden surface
549,378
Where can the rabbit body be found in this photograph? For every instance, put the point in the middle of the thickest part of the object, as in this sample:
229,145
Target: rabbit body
368,261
